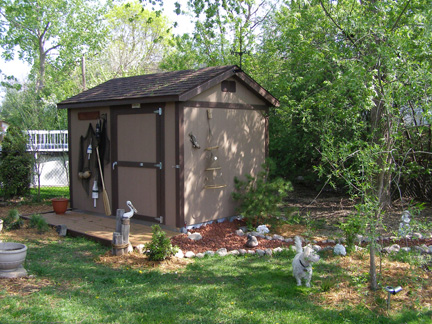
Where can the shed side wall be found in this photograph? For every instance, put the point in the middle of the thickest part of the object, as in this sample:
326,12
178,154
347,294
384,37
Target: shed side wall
240,135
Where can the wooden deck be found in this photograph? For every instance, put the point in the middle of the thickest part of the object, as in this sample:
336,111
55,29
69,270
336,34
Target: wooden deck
101,228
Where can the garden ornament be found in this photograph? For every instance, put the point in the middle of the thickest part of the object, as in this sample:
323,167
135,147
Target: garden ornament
132,210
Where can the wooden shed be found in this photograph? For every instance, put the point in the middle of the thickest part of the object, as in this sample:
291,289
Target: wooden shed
173,142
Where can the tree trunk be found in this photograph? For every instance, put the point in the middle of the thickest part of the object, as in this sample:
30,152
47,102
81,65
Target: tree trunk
372,268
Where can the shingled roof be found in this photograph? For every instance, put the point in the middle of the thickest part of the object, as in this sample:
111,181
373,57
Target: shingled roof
163,87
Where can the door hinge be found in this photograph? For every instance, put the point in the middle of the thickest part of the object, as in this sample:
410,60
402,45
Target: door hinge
160,219
159,165
159,111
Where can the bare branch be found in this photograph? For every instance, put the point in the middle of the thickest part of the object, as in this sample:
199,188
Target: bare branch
400,16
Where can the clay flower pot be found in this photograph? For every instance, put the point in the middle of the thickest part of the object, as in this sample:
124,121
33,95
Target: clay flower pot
60,205
12,255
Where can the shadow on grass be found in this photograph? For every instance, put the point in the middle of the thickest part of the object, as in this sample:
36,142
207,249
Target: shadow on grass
245,289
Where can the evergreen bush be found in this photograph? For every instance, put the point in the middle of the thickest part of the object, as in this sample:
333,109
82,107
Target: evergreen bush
259,197
160,247
13,220
38,222
15,164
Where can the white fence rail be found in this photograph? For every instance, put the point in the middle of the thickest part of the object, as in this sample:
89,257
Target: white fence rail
47,141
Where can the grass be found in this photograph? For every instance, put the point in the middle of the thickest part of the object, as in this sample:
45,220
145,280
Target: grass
47,193
69,286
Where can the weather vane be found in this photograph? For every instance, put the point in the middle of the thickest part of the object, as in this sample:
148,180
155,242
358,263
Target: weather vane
240,52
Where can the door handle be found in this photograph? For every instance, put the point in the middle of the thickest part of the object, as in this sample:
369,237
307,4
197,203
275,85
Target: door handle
114,164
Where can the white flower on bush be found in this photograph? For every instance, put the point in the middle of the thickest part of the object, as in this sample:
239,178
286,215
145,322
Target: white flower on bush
262,229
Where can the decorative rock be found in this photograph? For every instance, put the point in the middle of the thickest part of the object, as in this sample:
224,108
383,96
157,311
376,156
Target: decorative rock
293,248
358,248
268,237
195,236
222,252
417,235
316,248
239,232
289,240
277,250
209,253
262,229
250,251
189,254
251,241
233,252
129,248
260,252
406,249
179,254
61,230
139,248
330,241
391,249
268,252
422,249
339,250
278,237
244,229
200,255
327,248
430,248
254,233
242,251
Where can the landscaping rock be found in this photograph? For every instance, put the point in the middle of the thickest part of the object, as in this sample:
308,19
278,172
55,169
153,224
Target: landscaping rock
251,241
339,250
233,252
189,254
260,252
391,249
268,252
242,251
209,253
430,248
405,249
179,254
129,248
199,255
417,236
195,236
262,229
293,248
239,232
277,250
222,252
278,237
289,240
250,252
316,248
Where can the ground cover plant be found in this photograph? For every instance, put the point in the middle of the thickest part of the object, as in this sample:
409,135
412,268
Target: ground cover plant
75,280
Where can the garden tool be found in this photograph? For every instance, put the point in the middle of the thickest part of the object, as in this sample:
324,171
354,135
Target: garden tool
95,193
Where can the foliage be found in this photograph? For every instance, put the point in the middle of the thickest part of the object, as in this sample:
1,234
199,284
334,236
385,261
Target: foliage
160,247
38,222
50,34
15,164
353,225
259,197
13,220
135,43
222,30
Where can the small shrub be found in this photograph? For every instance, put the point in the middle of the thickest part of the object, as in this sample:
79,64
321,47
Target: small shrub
13,220
354,224
259,197
328,283
38,222
160,247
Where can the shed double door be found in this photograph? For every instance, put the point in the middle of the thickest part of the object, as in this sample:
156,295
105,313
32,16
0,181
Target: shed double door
137,170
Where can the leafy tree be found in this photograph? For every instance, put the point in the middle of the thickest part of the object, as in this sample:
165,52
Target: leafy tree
345,71
52,32
136,40
15,164
222,29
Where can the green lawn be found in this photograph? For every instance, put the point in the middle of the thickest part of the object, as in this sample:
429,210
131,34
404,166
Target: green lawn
212,290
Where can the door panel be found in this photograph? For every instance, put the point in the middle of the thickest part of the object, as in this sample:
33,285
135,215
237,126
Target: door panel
137,151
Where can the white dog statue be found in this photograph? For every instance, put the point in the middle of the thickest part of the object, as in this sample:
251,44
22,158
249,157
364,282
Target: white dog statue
302,263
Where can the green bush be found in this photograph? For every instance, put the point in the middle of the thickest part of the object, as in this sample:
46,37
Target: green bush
15,164
354,224
38,222
260,198
160,247
13,220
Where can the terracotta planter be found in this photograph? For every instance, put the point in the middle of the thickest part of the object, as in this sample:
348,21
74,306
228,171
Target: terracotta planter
60,205
12,256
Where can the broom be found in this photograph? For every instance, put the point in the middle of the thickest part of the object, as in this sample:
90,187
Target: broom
104,192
